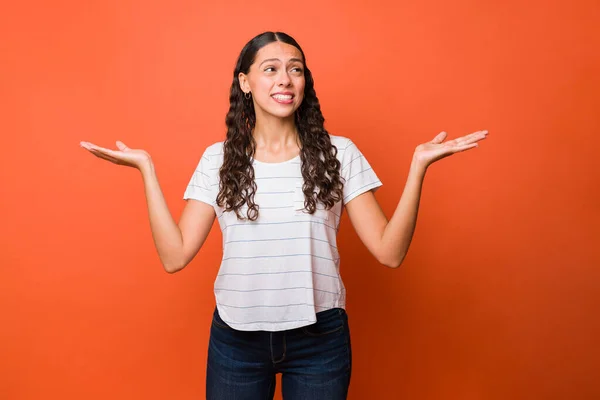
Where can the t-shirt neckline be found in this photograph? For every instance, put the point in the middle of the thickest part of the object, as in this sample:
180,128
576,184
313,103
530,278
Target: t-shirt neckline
255,161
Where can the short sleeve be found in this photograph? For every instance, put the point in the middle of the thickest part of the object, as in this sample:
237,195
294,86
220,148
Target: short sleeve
357,172
203,185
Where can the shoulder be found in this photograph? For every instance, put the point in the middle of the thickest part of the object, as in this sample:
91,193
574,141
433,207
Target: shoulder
213,154
344,145
214,150
341,142
211,159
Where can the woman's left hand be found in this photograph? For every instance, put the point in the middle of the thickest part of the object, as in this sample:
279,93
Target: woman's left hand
430,152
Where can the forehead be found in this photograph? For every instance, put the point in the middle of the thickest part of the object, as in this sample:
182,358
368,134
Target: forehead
279,50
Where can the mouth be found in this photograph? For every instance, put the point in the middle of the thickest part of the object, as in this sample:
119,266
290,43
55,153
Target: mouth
283,98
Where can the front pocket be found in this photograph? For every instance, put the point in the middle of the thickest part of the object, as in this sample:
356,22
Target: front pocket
328,324
217,321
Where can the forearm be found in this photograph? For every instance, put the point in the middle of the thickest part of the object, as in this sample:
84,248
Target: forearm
399,231
165,231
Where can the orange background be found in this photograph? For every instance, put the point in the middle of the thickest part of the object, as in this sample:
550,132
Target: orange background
498,297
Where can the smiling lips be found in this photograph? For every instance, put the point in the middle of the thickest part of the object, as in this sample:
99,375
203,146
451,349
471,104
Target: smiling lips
283,98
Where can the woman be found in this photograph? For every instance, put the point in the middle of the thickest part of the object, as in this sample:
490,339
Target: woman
278,185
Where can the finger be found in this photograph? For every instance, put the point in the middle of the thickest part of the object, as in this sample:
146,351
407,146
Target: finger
467,141
105,156
466,147
472,138
439,138
121,146
108,152
86,145
478,134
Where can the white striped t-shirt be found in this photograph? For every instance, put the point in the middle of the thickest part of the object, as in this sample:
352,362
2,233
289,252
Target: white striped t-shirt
277,272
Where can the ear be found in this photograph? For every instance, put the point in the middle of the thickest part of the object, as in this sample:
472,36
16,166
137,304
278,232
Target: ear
244,84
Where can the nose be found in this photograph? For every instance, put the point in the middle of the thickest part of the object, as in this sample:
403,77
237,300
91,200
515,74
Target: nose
284,79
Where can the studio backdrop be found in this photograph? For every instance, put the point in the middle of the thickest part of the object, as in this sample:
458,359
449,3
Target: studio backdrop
498,297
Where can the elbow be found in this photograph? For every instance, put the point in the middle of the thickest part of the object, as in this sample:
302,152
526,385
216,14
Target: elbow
391,261
171,268
393,265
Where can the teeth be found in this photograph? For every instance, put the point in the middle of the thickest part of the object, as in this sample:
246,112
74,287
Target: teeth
282,97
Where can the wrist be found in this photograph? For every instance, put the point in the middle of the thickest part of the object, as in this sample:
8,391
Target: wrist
146,167
418,165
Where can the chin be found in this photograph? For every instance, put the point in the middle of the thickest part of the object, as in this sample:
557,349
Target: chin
280,112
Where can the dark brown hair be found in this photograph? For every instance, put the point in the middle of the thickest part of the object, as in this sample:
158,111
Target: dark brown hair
320,166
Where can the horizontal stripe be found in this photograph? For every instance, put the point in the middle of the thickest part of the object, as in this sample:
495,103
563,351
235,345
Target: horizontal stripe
358,173
272,306
278,273
290,238
373,184
273,289
198,186
259,192
277,223
277,177
351,161
265,322
278,256
274,208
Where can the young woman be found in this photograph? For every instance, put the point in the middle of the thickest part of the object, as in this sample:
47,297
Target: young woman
278,185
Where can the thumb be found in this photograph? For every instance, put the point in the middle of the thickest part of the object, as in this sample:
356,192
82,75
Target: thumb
122,146
439,138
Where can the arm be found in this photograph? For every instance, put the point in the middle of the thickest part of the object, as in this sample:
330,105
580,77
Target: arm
389,240
176,244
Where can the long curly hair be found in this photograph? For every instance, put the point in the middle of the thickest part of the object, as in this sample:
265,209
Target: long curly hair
320,166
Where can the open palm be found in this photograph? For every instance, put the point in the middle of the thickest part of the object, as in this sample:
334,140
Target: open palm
135,158
430,152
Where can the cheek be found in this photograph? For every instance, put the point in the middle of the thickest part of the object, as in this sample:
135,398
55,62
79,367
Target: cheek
262,86
300,86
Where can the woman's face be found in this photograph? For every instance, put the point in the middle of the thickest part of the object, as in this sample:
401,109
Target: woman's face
276,80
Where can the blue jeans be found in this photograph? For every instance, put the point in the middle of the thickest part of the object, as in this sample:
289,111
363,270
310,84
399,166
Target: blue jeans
315,361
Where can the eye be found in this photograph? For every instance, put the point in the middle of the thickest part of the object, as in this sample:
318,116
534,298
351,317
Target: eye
297,69
270,69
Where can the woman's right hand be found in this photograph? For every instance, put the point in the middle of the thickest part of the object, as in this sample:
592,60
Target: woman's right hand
176,243
135,158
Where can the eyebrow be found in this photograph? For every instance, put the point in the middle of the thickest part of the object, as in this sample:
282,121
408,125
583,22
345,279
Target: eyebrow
277,59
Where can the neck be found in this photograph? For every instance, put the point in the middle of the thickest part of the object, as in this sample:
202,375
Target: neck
275,134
